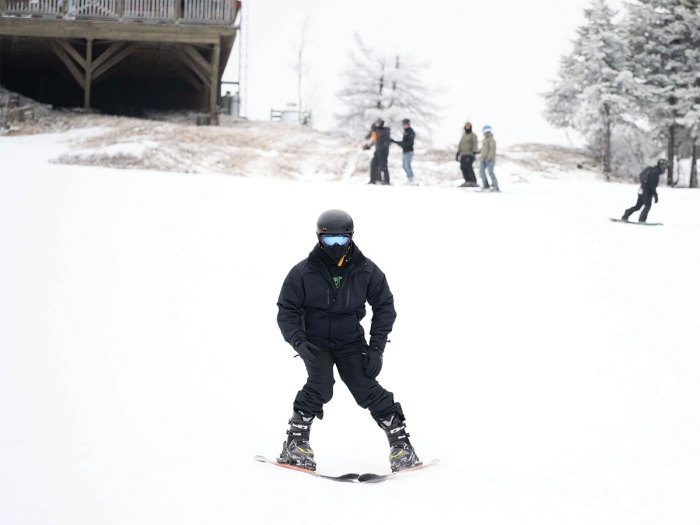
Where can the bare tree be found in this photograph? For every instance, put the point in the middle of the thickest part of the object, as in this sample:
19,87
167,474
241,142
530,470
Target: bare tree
379,84
300,67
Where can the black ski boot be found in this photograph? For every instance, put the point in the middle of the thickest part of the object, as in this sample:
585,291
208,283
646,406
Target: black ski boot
402,455
297,451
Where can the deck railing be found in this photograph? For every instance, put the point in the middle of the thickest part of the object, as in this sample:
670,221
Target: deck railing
164,11
207,11
32,7
150,9
93,8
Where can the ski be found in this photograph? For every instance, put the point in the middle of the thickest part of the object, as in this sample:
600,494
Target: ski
345,478
638,223
378,478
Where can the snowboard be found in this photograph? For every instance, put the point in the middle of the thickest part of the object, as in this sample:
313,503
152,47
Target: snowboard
344,478
351,477
638,223
378,478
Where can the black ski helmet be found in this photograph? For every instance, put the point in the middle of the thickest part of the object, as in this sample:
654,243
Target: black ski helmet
335,221
662,163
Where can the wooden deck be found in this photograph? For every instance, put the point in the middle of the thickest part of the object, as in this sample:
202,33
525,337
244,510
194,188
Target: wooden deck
199,32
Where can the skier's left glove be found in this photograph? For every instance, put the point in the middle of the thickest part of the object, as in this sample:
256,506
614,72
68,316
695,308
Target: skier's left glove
374,357
656,199
306,351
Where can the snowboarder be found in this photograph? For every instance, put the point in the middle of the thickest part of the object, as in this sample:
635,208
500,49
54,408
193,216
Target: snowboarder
488,160
320,308
382,151
406,144
466,154
648,181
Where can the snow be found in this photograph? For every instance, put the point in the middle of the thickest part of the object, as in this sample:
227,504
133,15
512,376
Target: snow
546,356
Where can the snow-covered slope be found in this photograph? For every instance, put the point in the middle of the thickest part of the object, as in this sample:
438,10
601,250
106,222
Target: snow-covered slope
547,356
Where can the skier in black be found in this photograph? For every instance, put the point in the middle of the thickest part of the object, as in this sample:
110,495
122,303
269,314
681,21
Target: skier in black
374,176
382,151
649,180
320,308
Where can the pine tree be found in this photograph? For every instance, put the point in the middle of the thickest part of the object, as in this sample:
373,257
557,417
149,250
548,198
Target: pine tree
664,39
381,85
595,86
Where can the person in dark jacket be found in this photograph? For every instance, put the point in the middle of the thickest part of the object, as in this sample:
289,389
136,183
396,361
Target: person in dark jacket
466,154
320,308
406,143
382,150
648,180
374,177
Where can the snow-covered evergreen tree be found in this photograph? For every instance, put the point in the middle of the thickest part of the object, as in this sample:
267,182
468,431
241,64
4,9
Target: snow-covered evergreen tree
594,91
382,85
664,40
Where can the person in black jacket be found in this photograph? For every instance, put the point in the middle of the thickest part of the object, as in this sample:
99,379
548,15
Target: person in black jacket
406,143
382,150
374,176
320,308
649,180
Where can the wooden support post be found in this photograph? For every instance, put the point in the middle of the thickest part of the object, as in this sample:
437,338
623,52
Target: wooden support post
214,84
72,52
671,154
113,61
192,65
191,79
107,53
65,58
88,73
198,59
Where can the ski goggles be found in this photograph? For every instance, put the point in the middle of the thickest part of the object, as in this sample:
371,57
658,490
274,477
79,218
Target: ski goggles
340,239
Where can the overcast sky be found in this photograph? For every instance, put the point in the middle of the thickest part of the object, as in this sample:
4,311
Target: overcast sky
488,60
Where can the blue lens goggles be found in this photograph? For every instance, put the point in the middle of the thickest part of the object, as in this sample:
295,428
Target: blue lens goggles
330,240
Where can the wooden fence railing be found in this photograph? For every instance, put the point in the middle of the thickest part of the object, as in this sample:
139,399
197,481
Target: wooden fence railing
150,9
207,11
184,11
93,8
32,7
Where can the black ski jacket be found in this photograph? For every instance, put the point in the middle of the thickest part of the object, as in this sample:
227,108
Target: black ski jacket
649,179
407,141
383,139
312,308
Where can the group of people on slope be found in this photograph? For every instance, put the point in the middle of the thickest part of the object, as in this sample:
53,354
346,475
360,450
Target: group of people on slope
379,136
467,151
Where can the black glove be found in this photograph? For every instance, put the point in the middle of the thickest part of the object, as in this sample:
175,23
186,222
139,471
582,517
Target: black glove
307,352
656,199
373,357
457,157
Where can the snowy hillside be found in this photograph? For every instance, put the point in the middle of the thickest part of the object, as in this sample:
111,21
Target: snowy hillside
546,356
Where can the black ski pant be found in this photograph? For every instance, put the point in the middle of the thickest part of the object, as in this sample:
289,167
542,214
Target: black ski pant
368,393
383,165
643,200
466,163
374,170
